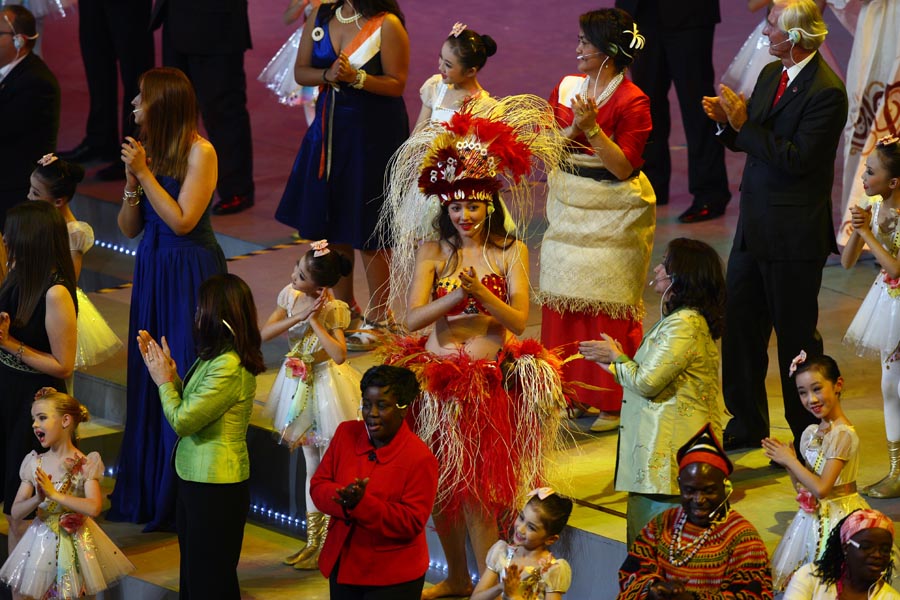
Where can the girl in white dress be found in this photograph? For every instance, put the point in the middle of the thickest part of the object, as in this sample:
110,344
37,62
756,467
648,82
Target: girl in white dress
875,329
525,569
315,390
463,55
826,477
64,553
54,181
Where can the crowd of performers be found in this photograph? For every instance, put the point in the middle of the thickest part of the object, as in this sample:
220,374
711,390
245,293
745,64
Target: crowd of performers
462,420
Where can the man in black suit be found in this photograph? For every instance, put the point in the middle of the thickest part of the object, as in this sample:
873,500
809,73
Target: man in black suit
29,106
207,39
678,50
789,130
111,33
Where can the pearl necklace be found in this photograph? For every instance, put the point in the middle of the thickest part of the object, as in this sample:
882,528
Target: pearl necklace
608,91
686,553
342,19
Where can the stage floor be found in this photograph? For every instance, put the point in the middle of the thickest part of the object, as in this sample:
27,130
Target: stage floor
762,493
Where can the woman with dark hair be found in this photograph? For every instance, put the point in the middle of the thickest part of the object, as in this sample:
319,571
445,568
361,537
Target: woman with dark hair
489,419
462,57
171,175
377,480
210,412
37,331
359,52
601,210
671,386
856,563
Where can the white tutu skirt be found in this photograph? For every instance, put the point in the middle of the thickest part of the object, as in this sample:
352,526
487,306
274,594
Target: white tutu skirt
278,76
96,340
309,414
31,568
743,71
800,544
876,327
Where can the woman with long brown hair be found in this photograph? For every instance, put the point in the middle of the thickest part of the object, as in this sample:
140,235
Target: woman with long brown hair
37,331
171,174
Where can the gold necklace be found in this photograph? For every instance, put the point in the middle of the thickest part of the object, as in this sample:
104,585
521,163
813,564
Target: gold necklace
345,20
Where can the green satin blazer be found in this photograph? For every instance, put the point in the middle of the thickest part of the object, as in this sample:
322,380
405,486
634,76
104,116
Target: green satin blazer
211,415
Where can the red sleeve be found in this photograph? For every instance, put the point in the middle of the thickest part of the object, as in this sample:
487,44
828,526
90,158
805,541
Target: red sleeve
631,125
563,114
322,486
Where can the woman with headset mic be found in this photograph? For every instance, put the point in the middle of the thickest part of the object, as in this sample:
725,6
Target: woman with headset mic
671,386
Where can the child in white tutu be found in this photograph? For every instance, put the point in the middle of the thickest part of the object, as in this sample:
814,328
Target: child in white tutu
826,477
278,75
64,553
54,181
315,390
875,329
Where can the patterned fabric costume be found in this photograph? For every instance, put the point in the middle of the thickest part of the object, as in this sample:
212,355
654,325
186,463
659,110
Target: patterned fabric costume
64,554
804,540
492,424
596,250
730,563
554,576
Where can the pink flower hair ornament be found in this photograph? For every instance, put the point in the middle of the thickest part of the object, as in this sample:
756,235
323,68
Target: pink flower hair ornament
320,248
47,159
798,360
542,493
458,28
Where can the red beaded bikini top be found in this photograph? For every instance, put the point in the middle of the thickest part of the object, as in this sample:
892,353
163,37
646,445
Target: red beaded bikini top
469,305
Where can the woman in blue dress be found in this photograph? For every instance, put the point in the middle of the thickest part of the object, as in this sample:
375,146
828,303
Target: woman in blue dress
170,178
358,52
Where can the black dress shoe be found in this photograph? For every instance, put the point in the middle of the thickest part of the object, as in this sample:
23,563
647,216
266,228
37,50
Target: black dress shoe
84,152
115,171
232,205
702,212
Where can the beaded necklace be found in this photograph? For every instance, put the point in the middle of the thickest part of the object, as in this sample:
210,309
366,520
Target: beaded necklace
686,553
345,20
608,91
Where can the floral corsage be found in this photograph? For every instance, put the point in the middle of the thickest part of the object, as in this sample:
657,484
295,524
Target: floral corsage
299,365
807,501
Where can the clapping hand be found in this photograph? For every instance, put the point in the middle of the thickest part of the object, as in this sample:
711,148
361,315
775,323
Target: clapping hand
778,451
734,106
667,590
470,283
315,307
604,352
585,109
512,580
44,487
135,158
4,326
157,358
350,495
860,218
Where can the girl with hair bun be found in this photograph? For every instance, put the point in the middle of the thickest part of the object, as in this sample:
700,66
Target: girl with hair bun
462,57
64,553
54,181
316,389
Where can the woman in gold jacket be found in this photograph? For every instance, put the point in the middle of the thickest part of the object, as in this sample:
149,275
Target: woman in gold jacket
671,386
210,412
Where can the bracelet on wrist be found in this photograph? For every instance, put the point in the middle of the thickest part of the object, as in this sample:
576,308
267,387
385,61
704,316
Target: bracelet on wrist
325,76
592,131
360,80
20,352
133,198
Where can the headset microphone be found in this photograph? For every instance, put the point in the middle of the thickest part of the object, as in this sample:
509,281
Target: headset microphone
136,111
787,41
588,55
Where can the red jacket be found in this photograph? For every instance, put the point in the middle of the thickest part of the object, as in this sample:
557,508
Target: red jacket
382,542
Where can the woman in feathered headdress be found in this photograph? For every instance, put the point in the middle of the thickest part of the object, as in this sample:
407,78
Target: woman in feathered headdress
491,405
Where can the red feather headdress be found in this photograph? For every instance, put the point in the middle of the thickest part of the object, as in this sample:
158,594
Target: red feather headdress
467,161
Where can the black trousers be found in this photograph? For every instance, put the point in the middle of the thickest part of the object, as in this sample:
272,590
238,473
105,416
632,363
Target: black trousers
113,33
409,590
210,520
221,86
685,59
763,295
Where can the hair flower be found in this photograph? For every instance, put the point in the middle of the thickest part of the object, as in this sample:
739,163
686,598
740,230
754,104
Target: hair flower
320,248
888,140
637,40
458,28
541,492
798,360
47,159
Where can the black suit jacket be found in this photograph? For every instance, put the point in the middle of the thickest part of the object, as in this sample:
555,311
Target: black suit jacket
671,15
788,176
204,27
29,105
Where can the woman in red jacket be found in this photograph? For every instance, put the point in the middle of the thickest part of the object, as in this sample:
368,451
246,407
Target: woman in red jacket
378,481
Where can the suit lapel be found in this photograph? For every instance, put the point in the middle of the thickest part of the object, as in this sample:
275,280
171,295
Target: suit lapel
764,92
16,72
796,87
